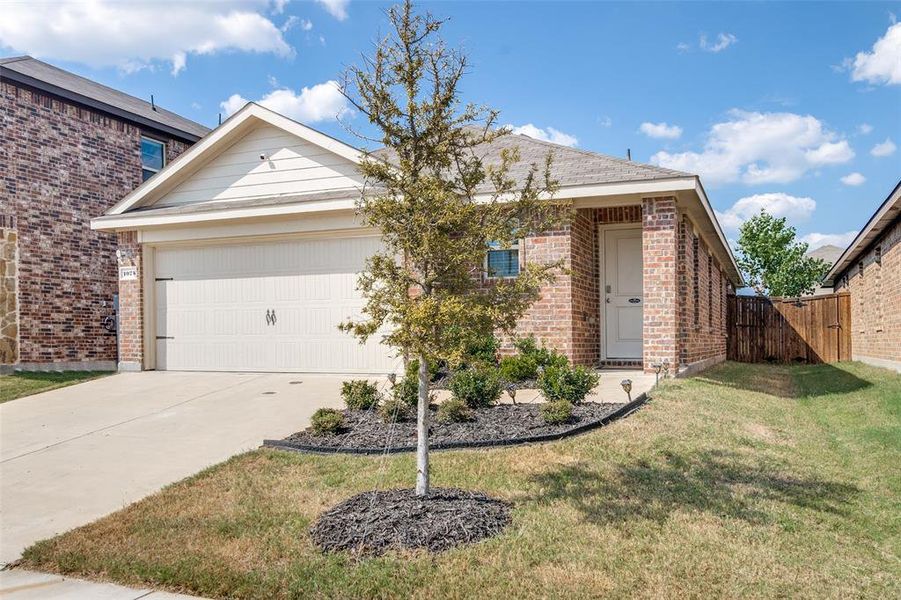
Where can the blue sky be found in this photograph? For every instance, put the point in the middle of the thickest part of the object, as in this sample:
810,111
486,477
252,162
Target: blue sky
795,107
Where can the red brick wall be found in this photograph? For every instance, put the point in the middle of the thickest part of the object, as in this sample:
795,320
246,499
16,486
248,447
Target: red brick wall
659,253
131,304
703,287
876,299
63,165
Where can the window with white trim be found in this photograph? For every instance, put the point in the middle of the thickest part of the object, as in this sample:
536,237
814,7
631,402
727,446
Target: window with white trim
502,262
153,157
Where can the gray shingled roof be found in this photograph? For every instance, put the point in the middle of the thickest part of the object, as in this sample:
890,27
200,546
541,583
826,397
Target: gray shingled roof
571,166
28,70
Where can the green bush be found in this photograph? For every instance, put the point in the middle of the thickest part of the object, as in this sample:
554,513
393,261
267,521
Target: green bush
518,368
481,351
395,409
478,388
567,383
359,394
543,357
327,421
556,412
453,410
435,369
407,390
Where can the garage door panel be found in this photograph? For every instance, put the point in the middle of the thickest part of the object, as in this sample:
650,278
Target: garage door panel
212,302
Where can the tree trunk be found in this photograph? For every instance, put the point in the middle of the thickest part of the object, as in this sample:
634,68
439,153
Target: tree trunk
422,430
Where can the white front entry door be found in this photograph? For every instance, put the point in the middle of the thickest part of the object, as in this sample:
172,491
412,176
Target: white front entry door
264,306
623,294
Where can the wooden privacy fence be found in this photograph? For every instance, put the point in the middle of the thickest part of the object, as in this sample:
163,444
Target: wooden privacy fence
811,330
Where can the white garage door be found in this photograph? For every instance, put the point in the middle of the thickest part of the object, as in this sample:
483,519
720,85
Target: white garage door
268,306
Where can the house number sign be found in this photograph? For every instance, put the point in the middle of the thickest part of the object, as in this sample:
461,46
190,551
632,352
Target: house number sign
128,273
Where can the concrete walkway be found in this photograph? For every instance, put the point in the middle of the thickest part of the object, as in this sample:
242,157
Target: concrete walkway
72,455
25,585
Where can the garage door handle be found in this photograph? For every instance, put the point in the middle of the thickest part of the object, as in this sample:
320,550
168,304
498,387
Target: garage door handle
268,317
273,317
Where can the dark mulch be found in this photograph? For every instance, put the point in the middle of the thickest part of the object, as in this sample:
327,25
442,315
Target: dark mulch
372,523
500,423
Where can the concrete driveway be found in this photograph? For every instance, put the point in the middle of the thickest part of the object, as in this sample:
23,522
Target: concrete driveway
72,455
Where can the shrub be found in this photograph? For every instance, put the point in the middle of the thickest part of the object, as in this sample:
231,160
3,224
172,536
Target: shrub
556,412
359,394
567,383
395,409
481,351
327,421
478,388
453,410
518,368
435,369
542,356
407,390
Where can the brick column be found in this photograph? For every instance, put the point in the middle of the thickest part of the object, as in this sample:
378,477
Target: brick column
9,302
131,305
659,221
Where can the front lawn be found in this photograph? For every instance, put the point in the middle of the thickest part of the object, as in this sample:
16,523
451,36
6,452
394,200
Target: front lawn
747,481
26,383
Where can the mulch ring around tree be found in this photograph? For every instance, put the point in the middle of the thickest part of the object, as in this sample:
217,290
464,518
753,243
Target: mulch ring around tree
371,523
504,424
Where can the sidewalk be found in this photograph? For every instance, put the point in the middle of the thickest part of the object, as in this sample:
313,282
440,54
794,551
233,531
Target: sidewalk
17,584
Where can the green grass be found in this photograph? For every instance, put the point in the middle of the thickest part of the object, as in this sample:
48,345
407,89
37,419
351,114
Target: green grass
747,481
26,383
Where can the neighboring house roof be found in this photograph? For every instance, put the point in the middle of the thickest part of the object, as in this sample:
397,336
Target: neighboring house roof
828,253
40,75
882,219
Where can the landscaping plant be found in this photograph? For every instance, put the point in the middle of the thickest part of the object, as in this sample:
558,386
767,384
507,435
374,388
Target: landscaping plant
557,412
396,409
543,357
359,394
567,383
518,368
439,207
454,410
327,421
478,388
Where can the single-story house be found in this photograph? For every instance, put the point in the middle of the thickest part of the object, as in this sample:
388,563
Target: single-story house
70,148
870,269
243,253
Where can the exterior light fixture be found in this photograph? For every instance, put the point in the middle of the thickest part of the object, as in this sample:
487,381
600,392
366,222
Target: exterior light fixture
511,390
657,367
665,369
392,378
627,387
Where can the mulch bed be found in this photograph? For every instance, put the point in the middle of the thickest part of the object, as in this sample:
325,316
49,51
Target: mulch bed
372,523
503,424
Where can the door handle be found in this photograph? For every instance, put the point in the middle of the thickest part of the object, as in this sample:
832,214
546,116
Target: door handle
634,300
268,317
273,317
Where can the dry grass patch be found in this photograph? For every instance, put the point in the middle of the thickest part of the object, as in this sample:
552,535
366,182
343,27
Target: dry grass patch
698,494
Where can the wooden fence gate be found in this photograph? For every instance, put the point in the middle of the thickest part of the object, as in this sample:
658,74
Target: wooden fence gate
811,330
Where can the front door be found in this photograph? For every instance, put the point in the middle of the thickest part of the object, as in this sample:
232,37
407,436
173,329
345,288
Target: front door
623,293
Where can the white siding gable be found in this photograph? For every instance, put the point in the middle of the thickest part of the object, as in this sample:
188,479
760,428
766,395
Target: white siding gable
292,166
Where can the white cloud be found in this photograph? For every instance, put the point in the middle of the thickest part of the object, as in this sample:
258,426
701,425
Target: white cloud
295,21
883,64
817,240
886,148
605,121
723,41
864,129
547,135
132,35
660,130
853,179
778,204
756,148
317,103
683,47
336,8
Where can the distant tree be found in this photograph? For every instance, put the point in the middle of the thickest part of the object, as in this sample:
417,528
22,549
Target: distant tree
773,261
438,207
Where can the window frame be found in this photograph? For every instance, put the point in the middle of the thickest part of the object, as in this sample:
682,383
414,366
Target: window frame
162,154
516,245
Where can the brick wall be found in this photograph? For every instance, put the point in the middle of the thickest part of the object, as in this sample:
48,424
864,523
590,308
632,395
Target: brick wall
66,165
703,287
131,304
875,286
660,228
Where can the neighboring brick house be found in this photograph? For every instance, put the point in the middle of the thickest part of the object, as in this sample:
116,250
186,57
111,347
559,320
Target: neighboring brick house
70,149
870,269
243,255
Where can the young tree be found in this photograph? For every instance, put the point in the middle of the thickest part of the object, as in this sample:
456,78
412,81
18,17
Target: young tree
438,205
774,263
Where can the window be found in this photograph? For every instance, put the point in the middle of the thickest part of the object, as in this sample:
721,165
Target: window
153,157
502,262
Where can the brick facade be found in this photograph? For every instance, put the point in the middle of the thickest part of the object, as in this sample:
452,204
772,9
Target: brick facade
9,307
874,282
131,304
65,164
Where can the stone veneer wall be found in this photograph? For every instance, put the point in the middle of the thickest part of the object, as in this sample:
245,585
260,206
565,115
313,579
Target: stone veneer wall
63,165
874,282
9,311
